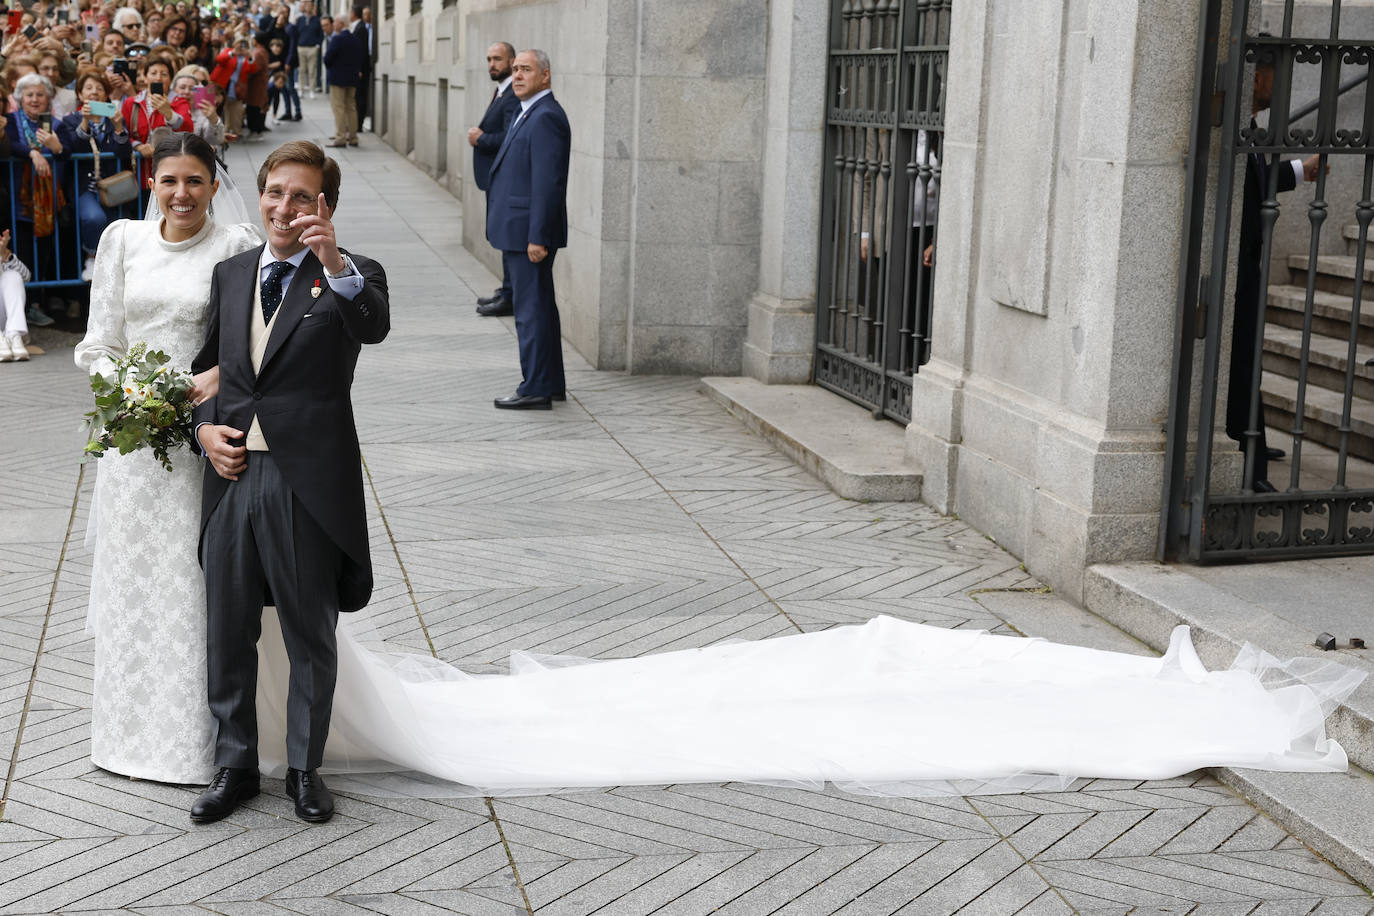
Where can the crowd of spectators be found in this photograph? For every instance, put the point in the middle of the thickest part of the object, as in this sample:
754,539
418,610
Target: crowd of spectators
102,78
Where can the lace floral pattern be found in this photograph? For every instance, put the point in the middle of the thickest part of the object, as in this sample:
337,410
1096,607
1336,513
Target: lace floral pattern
147,605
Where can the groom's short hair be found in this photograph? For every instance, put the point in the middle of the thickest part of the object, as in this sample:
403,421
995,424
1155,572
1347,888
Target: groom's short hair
306,153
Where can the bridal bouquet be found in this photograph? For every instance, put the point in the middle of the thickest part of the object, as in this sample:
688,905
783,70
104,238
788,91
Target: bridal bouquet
147,405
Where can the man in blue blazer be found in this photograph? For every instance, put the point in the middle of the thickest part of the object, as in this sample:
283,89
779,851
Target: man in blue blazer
485,140
343,64
527,219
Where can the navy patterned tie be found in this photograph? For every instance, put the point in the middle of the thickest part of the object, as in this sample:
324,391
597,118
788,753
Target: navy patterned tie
271,289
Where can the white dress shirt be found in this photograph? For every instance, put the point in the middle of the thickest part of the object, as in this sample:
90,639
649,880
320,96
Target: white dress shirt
526,103
347,284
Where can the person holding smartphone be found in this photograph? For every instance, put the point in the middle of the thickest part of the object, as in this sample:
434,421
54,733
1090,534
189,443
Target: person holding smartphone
155,107
98,127
193,84
37,142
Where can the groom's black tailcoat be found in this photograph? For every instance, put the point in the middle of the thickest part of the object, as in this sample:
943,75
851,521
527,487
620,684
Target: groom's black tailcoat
301,396
295,523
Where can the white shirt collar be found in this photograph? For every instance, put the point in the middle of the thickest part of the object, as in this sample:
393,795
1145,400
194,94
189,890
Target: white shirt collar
526,103
502,86
268,258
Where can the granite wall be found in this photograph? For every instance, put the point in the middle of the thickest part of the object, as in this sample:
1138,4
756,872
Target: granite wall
1040,418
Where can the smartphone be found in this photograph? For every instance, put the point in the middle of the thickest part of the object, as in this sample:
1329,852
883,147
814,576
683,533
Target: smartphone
200,96
103,109
93,33
63,16
120,66
15,21
87,47
45,122
30,31
157,88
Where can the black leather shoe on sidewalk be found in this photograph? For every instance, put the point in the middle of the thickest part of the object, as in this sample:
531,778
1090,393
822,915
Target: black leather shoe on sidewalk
524,402
1275,454
488,300
314,801
230,787
496,309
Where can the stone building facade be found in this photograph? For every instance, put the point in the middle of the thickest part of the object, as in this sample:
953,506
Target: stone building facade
699,142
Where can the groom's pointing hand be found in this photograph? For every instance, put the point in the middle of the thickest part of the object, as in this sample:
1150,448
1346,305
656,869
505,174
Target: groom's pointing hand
227,459
318,235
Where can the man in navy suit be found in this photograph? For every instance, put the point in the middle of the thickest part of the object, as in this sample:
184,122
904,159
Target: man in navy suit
527,219
486,139
343,63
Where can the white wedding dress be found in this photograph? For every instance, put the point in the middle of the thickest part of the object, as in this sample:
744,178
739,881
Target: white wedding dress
147,607
888,707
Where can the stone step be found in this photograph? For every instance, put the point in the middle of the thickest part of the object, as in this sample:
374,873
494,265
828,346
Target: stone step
1321,414
1351,234
1330,813
1330,312
1326,360
855,455
1335,273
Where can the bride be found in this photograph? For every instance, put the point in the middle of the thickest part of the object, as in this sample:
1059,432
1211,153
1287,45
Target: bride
888,707
147,605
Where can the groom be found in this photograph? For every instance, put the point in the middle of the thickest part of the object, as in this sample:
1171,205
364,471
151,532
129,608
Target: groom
283,520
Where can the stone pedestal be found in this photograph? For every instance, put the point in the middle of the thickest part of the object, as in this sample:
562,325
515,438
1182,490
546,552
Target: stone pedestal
1040,419
781,339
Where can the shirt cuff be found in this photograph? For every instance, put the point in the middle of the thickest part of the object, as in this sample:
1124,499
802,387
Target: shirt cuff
347,284
195,434
1298,171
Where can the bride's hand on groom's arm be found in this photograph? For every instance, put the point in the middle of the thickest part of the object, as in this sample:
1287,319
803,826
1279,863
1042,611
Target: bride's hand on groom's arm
204,386
227,459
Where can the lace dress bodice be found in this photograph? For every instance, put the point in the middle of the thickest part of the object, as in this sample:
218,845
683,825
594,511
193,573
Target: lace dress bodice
146,288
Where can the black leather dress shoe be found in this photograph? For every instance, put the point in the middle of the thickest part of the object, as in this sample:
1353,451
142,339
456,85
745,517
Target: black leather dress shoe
227,790
524,402
496,309
1274,454
488,300
314,801
560,396
1264,486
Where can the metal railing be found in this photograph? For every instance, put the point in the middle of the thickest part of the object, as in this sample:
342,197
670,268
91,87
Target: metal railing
55,259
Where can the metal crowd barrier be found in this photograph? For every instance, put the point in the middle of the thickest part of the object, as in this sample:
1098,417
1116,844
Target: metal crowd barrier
55,260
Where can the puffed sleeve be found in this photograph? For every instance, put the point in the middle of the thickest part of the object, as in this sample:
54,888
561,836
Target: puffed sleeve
105,339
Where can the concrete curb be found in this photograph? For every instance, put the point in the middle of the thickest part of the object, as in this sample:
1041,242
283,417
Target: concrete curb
1331,814
856,456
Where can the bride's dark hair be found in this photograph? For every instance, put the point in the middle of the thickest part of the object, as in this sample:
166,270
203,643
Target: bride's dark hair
180,143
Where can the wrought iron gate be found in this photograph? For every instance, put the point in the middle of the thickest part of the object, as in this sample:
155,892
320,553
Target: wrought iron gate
1293,344
884,138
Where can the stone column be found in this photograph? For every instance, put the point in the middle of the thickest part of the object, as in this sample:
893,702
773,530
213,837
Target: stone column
781,337
1040,419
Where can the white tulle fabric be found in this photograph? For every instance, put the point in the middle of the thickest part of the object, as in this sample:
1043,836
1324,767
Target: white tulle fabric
147,604
886,708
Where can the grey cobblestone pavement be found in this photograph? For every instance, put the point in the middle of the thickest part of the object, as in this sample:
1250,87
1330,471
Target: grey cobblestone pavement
635,518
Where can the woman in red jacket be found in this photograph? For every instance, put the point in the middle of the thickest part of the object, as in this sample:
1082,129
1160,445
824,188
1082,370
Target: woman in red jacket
233,66
149,110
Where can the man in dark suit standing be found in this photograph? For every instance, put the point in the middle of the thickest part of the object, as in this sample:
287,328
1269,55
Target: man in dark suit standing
362,30
1246,327
527,219
283,519
343,63
485,140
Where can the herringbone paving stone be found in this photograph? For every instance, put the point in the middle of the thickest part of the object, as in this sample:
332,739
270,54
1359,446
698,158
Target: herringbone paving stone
637,517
